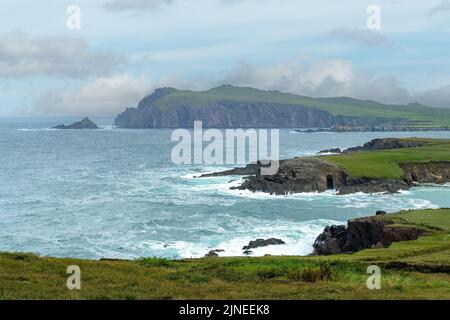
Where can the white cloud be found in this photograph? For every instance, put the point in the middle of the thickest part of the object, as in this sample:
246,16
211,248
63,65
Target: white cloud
104,96
436,97
328,78
22,55
444,6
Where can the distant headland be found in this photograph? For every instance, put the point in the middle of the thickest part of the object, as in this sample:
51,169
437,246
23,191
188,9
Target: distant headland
238,107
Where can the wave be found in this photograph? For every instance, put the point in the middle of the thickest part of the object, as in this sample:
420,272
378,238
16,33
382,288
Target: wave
299,238
37,129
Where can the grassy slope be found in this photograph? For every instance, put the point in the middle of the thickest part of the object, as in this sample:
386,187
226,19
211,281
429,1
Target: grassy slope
417,114
384,163
28,276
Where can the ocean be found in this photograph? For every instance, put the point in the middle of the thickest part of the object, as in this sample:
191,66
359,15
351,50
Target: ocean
115,193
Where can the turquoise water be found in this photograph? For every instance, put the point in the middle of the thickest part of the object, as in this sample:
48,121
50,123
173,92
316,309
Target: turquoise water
115,193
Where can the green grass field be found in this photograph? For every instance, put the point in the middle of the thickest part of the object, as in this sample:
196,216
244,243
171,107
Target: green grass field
385,163
417,114
417,269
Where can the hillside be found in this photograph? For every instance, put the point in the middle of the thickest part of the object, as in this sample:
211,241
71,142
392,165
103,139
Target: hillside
229,106
418,269
391,164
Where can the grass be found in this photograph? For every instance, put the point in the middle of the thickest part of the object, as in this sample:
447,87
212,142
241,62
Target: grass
417,115
27,276
385,163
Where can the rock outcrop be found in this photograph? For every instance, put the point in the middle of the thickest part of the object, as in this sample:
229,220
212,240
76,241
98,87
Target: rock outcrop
387,144
263,243
316,174
307,174
332,150
362,233
428,172
86,123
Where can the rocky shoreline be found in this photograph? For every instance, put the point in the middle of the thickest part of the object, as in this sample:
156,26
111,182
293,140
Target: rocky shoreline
375,232
341,129
316,174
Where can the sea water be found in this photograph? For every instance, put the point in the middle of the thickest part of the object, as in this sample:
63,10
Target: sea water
115,193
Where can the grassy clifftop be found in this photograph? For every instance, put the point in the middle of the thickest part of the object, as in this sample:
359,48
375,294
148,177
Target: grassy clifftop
417,114
386,163
410,270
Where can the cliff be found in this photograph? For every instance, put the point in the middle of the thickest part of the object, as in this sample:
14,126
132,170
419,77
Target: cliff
236,107
379,166
363,233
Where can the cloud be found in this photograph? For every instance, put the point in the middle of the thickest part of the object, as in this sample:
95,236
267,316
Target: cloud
328,78
444,6
104,96
436,97
22,55
364,36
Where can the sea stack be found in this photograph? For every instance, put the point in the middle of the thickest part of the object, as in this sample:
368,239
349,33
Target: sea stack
86,123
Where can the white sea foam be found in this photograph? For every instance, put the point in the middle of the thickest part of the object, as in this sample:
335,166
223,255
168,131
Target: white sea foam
299,238
37,129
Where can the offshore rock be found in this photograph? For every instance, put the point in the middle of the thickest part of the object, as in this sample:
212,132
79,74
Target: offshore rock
263,243
86,123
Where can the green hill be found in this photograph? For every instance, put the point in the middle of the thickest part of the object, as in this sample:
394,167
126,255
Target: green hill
229,106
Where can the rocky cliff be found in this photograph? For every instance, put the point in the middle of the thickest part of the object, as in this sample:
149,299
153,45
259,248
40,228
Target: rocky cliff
229,114
318,174
427,172
362,234
235,107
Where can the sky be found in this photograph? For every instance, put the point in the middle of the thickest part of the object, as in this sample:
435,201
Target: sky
124,49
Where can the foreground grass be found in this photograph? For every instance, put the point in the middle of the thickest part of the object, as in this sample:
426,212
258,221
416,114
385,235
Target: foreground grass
410,270
385,163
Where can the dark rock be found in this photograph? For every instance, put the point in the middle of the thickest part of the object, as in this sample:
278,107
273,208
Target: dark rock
86,123
361,234
263,243
380,213
308,174
316,174
386,144
428,172
211,254
250,169
331,241
332,150
400,233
